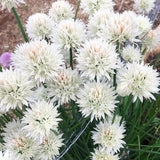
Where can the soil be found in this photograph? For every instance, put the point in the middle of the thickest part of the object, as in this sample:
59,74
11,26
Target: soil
10,34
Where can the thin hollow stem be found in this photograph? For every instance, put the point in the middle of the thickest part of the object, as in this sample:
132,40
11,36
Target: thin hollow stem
78,5
71,58
20,24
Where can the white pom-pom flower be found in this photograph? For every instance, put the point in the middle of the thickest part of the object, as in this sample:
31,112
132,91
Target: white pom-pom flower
49,149
61,10
69,33
40,120
40,26
91,6
109,136
140,80
97,59
15,90
96,100
96,22
120,27
65,86
18,145
9,4
5,156
38,60
131,54
143,24
101,154
144,6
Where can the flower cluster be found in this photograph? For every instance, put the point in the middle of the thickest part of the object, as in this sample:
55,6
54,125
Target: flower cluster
109,136
61,10
144,6
91,6
105,67
9,4
33,137
40,26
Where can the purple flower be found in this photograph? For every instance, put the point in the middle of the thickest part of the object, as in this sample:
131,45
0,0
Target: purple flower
5,59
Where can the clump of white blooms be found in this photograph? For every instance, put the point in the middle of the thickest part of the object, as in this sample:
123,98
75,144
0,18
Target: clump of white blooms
49,148
9,4
64,86
69,33
96,22
91,6
101,154
40,120
15,90
17,143
5,156
61,10
151,41
109,135
38,60
96,100
144,6
40,26
140,80
131,54
97,59
43,96
120,27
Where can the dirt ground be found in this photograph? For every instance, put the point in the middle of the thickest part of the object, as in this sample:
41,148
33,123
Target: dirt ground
10,34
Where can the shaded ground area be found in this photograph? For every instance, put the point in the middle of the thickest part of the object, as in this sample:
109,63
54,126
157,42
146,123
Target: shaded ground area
10,34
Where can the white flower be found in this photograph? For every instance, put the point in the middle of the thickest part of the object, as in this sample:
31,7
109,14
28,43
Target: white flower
144,5
18,145
109,136
143,24
131,54
40,120
102,154
96,100
96,21
40,93
64,86
91,6
139,80
38,60
9,4
49,149
61,10
40,26
97,59
120,27
5,155
151,41
69,33
15,90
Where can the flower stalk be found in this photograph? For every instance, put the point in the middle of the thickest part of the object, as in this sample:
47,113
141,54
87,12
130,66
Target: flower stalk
78,5
20,24
71,58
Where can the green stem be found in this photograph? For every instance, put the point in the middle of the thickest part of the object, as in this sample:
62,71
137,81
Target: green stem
71,58
144,51
78,5
114,79
20,24
157,59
